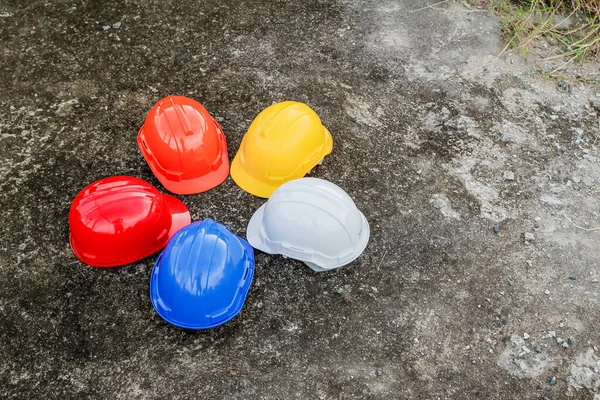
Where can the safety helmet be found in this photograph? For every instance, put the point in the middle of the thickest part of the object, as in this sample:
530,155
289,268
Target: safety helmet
310,220
202,277
284,142
184,146
122,219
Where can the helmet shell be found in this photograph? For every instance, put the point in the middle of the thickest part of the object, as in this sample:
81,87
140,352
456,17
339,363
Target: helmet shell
202,277
284,142
310,220
184,146
122,219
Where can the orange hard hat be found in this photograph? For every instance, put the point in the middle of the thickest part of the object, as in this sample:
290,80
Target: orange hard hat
184,146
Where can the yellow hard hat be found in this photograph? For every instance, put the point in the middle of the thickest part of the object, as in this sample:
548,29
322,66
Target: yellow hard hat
284,142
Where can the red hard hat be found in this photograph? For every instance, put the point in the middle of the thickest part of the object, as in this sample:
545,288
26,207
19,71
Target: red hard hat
184,146
121,219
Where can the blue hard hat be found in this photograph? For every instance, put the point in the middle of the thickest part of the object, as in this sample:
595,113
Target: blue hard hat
202,277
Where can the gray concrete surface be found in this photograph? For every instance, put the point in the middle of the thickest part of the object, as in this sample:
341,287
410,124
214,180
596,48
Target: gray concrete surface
426,122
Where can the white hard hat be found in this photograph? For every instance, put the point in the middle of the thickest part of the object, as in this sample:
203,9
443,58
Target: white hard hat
311,220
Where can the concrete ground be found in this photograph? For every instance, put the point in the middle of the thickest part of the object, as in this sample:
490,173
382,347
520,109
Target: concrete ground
435,138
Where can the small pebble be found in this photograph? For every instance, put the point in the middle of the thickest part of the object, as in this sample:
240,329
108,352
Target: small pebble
375,170
505,321
106,27
572,278
379,373
565,345
511,282
550,334
563,148
538,349
547,292
496,228
364,358
553,380
509,175
571,341
454,207
529,237
116,25
559,340
339,291
227,118
545,398
561,325
526,336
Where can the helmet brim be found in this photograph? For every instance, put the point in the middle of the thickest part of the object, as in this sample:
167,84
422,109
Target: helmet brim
265,190
189,186
361,245
196,185
180,215
253,231
248,182
165,311
255,240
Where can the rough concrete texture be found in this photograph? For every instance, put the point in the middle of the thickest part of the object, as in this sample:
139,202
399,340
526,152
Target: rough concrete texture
426,124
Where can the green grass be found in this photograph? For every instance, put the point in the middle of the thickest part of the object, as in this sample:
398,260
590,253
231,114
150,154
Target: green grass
524,20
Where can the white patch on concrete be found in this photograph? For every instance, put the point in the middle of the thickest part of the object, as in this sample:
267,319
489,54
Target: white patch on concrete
363,112
441,202
395,38
549,199
584,371
520,363
510,132
487,196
